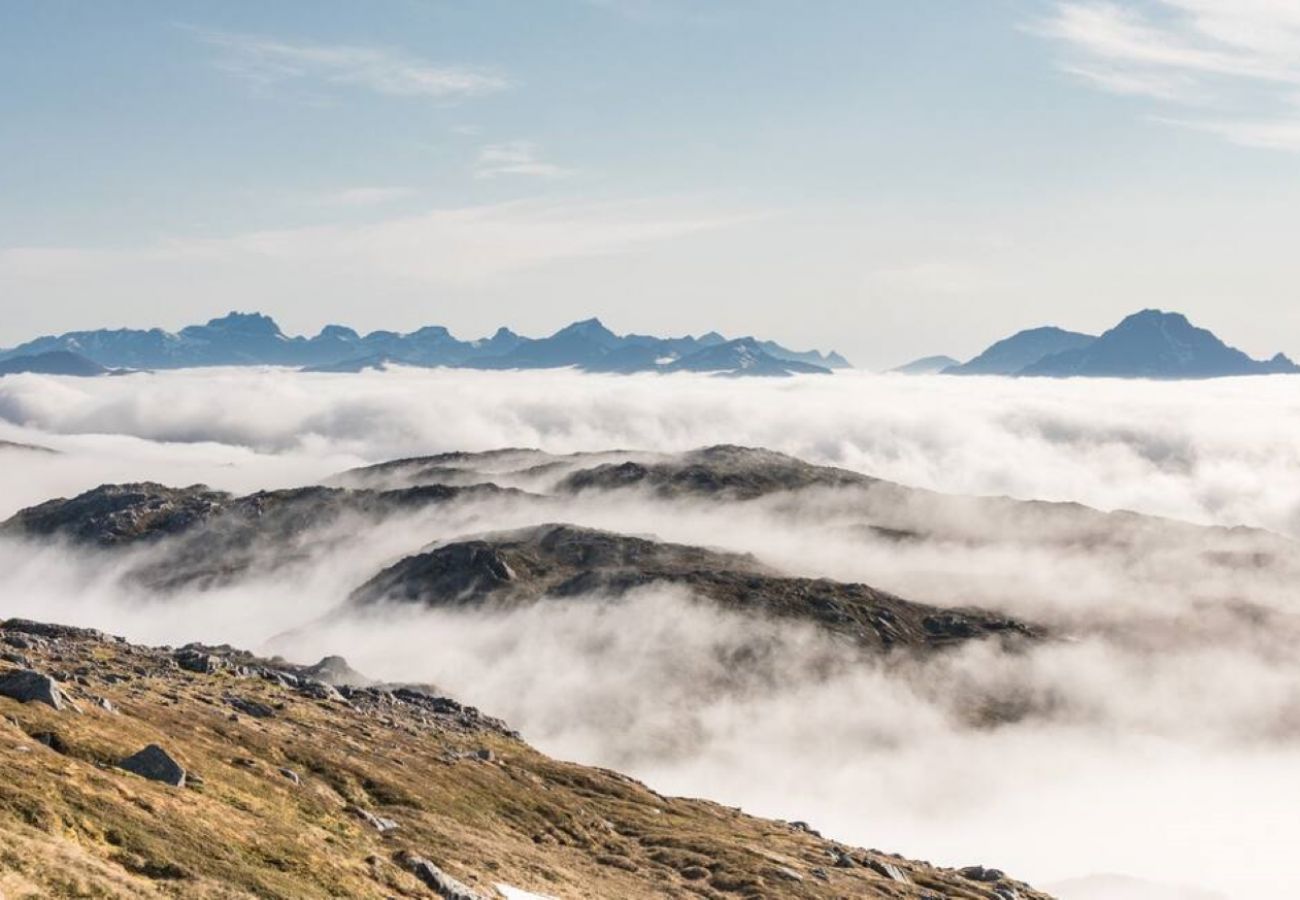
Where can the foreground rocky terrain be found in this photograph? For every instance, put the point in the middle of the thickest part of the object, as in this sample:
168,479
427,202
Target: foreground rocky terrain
202,772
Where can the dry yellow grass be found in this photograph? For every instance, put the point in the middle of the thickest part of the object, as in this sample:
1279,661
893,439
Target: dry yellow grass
73,825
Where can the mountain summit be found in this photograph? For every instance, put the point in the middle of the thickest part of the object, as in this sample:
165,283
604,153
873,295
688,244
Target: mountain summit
1147,344
1157,344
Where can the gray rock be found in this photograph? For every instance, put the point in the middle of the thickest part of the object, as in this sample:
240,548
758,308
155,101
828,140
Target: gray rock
251,707
438,881
380,824
319,690
335,671
291,775
979,873
192,660
156,764
886,870
28,686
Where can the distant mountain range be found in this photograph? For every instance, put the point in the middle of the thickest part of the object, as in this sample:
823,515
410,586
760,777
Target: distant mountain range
51,362
1148,344
254,339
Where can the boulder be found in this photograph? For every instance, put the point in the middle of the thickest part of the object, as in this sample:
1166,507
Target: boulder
438,881
979,873
380,824
335,671
886,869
156,764
319,690
192,660
29,686
251,707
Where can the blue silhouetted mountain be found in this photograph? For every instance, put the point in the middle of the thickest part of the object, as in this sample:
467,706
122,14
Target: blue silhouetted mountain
581,344
743,356
253,339
1011,355
52,362
1156,344
831,360
927,365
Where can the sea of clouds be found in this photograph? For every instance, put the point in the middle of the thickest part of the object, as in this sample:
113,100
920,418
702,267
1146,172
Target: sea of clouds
1151,740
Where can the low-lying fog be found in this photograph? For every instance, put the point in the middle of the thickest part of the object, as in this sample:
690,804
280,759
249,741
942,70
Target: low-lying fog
1157,741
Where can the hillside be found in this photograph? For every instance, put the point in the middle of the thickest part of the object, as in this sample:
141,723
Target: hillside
275,784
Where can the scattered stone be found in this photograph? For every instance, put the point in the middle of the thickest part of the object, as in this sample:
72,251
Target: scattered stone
485,754
50,631
886,870
979,873
319,690
251,707
191,659
438,881
156,764
805,827
105,704
785,874
380,824
291,775
28,686
842,860
20,641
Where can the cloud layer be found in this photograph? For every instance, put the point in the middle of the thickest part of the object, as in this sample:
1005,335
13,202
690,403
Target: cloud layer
1151,741
1224,451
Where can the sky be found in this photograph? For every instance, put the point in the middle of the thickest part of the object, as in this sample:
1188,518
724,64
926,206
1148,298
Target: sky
888,179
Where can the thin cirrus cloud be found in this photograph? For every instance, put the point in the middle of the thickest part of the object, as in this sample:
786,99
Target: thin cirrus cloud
1226,67
364,196
449,246
267,61
515,158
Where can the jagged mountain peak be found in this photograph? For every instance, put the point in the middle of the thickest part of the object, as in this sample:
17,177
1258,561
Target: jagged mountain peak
592,329
244,323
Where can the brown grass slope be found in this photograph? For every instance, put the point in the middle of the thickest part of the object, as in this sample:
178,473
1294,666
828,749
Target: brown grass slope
464,792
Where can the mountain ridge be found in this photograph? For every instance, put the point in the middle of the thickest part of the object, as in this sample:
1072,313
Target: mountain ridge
255,339
1152,343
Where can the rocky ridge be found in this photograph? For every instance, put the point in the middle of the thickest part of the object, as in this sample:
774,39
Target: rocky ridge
206,772
523,566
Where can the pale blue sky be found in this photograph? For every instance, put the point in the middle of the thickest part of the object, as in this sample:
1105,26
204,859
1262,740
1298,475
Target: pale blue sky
888,178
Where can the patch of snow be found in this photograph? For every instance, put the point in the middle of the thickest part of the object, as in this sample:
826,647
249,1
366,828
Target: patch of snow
514,893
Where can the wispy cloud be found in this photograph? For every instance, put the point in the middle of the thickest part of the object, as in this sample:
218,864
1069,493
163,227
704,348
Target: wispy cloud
364,196
449,247
267,61
515,158
1233,65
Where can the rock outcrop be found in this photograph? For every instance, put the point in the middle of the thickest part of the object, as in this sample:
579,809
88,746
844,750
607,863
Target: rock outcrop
556,560
27,686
